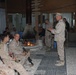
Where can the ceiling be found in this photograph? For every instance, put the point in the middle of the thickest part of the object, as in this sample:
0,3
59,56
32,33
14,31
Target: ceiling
58,5
45,6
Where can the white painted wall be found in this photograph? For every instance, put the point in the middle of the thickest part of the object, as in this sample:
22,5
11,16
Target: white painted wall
18,21
22,20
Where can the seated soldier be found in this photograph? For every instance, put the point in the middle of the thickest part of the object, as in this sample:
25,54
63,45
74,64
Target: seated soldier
19,53
9,61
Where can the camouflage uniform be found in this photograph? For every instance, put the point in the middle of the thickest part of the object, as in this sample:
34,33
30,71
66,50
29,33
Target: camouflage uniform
16,48
48,36
59,32
9,61
4,70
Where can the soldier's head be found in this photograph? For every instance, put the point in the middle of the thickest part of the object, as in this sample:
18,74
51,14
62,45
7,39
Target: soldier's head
17,37
64,19
5,38
46,21
58,16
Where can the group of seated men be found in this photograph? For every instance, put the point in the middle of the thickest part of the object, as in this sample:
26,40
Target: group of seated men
13,56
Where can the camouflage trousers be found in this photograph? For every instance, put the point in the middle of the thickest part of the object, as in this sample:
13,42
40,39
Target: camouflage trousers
4,70
16,66
60,49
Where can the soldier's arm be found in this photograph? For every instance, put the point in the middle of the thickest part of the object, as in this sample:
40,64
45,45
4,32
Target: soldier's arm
11,47
57,30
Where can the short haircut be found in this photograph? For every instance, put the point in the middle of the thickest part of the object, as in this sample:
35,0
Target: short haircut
3,36
16,34
46,19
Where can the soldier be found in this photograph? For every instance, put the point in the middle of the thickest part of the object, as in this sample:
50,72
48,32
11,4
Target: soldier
16,48
48,35
59,32
9,61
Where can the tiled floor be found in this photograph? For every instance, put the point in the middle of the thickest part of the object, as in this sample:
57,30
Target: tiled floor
47,65
33,69
47,61
71,60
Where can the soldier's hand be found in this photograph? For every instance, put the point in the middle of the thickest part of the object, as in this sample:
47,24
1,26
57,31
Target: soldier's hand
9,67
24,53
49,29
14,59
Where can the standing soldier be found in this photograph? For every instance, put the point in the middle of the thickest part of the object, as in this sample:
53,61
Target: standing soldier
48,35
59,32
